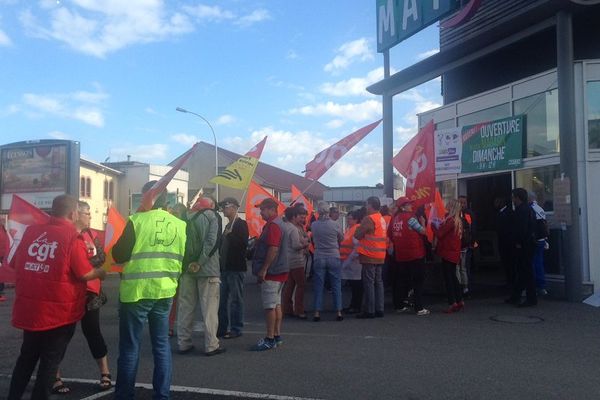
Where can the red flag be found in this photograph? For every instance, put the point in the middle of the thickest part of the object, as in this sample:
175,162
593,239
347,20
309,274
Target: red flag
257,150
256,194
150,196
115,225
326,158
20,216
436,214
298,197
416,162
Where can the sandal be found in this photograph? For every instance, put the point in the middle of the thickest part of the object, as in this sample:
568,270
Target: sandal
105,382
59,387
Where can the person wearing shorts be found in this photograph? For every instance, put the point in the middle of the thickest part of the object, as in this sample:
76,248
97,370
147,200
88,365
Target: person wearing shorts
271,268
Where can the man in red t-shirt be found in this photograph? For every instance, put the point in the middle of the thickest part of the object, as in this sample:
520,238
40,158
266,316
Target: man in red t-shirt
271,269
51,267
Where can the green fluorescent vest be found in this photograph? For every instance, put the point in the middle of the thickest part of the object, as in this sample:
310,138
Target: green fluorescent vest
155,263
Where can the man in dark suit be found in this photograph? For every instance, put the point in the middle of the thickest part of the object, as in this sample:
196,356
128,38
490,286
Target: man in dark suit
523,238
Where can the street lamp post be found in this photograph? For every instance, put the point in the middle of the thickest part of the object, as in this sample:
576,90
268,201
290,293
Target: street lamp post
183,110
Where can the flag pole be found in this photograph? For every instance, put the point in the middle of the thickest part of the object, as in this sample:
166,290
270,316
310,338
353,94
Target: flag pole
196,196
302,193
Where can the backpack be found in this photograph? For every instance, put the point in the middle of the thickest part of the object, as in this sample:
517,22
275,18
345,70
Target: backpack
193,246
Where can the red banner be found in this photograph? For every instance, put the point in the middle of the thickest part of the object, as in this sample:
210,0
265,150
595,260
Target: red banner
256,194
416,162
150,196
115,224
20,216
326,158
257,150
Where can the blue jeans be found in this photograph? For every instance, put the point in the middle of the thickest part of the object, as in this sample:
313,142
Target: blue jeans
132,317
538,265
231,305
332,266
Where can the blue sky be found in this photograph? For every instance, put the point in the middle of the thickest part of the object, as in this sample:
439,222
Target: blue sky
110,73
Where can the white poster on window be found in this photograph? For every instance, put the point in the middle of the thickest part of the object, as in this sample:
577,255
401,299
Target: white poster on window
448,151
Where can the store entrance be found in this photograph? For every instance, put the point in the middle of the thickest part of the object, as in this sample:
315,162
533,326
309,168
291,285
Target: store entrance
486,271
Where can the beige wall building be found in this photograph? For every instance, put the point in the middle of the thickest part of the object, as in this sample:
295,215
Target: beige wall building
99,187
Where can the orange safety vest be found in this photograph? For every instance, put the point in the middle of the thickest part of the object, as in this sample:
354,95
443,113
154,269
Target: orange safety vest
347,244
373,245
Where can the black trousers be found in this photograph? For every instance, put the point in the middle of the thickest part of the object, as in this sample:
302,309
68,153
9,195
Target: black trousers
90,325
453,287
47,347
525,275
357,294
408,275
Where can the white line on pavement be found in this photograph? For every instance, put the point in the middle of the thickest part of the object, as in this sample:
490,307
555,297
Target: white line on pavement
216,392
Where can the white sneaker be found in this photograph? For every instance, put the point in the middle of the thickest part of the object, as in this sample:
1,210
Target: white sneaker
402,310
423,312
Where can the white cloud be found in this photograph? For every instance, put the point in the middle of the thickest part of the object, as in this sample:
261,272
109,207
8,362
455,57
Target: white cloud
353,86
292,55
426,54
253,18
204,13
4,39
417,103
209,13
368,110
185,139
82,106
225,119
273,81
335,123
58,135
150,153
356,50
98,28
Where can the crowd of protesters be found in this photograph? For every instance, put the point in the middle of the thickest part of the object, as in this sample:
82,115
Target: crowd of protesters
179,259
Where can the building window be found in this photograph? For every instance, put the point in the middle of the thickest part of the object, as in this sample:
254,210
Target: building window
109,190
489,114
593,114
88,187
541,134
541,182
82,187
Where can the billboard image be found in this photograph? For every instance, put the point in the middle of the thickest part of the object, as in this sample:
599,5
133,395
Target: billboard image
36,171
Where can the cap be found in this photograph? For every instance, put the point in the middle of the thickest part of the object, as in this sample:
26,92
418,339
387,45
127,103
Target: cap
403,200
267,203
202,203
228,201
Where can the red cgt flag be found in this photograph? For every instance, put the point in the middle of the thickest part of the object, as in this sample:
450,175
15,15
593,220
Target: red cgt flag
20,216
416,162
326,158
150,196
256,194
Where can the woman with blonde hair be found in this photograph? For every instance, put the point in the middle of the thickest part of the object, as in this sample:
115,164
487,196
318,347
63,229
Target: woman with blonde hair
448,248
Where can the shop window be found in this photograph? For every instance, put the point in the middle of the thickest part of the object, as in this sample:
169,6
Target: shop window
541,133
541,182
489,114
593,114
